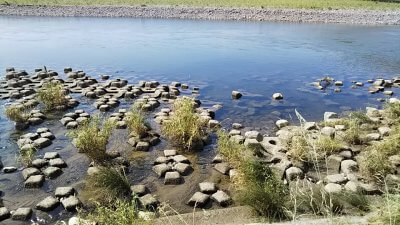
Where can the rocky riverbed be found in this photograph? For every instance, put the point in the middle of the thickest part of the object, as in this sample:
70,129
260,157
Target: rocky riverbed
346,16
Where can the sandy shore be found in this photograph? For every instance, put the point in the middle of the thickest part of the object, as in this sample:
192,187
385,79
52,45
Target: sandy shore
367,17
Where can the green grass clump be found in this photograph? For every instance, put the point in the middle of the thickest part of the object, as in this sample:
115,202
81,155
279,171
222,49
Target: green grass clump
120,212
92,137
353,134
185,128
392,111
306,4
106,185
326,145
387,212
17,114
299,148
233,152
262,190
52,94
136,122
27,156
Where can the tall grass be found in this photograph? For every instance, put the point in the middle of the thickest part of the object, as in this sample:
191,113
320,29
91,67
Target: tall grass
17,114
233,152
52,94
106,186
185,128
92,137
27,156
136,122
387,212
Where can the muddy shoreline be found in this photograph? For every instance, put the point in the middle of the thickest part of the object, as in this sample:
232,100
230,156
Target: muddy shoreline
341,16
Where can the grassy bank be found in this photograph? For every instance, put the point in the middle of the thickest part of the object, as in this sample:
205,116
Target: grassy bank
305,4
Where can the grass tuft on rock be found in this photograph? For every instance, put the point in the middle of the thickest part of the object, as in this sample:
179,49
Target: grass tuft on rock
92,137
233,152
326,145
52,95
27,156
185,129
106,185
136,122
17,114
120,212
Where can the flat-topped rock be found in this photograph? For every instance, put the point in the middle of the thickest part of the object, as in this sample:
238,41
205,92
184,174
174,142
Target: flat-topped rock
57,162
148,201
207,187
72,125
138,190
47,204
281,123
35,181
64,121
160,160
180,159
51,155
253,135
168,153
348,166
70,203
222,168
142,146
52,172
183,168
198,199
22,214
336,178
42,142
330,115
4,213
9,169
161,169
173,178
39,163
221,198
26,173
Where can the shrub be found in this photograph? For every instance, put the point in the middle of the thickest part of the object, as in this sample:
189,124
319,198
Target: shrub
392,110
231,151
353,133
185,128
262,190
17,114
136,122
299,148
326,145
27,156
106,185
119,213
52,94
91,138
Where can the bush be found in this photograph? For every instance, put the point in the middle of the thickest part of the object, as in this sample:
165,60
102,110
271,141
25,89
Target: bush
91,138
326,145
136,122
262,190
353,133
392,110
299,148
52,94
119,213
185,128
17,114
106,185
27,156
234,153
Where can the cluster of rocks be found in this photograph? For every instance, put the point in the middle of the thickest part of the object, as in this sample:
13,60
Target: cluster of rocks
34,117
50,165
118,118
41,139
200,198
223,167
172,167
146,200
144,141
73,119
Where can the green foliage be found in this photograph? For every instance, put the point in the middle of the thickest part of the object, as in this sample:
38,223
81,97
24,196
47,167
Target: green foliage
17,113
262,190
392,110
91,138
106,185
136,122
231,151
299,148
27,156
52,94
326,145
353,133
185,128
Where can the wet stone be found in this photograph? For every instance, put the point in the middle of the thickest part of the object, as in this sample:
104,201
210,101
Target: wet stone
70,203
57,162
4,213
48,204
168,153
62,192
198,199
161,169
236,95
9,169
222,168
221,198
26,173
183,168
207,187
42,142
138,190
35,181
52,172
51,155
180,159
173,178
22,214
48,135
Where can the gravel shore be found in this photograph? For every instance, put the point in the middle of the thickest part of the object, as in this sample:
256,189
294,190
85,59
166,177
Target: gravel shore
367,17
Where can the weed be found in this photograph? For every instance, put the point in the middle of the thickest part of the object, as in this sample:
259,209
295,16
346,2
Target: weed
392,110
185,128
106,185
27,156
388,212
17,114
136,122
353,133
91,138
52,94
299,148
326,145
231,151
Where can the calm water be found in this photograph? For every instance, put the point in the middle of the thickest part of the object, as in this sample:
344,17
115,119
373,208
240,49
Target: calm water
258,58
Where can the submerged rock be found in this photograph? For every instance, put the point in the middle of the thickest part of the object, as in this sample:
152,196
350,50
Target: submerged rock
236,95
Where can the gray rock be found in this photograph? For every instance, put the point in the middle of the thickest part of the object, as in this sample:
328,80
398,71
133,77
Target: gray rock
72,125
9,169
239,139
253,135
48,204
26,173
168,153
173,178
64,121
234,132
252,143
198,199
384,131
51,155
370,189
42,142
330,115
62,192
132,141
142,146
233,174
161,169
293,173
57,162
138,190
4,213
213,124
217,159
348,166
340,127
70,203
333,188
237,126
336,178
22,214
310,126
222,168
328,131
207,187
121,125
48,135
373,137
35,181
221,198
93,170
236,95
183,168
277,96
180,159
148,201
282,123
39,163
352,186
52,172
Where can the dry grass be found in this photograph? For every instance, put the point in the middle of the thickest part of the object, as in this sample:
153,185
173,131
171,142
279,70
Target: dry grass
299,148
92,137
185,129
52,94
136,122
27,156
326,145
17,114
387,212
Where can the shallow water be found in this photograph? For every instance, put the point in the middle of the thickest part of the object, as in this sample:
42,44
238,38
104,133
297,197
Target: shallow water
257,58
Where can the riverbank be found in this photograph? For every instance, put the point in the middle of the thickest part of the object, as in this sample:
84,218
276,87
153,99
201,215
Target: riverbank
342,16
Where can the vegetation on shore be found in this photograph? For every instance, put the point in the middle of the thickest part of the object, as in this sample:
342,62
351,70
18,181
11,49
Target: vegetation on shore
17,114
307,4
52,95
136,122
